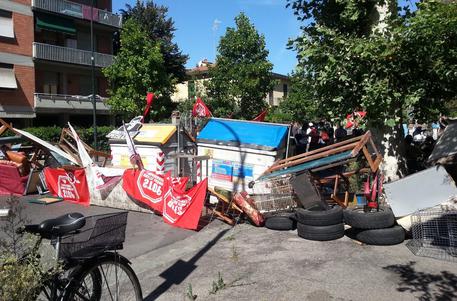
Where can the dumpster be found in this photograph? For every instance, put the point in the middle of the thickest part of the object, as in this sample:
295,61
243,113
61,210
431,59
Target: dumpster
240,151
158,146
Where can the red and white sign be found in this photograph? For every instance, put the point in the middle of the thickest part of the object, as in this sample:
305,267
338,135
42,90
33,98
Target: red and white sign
69,185
183,209
147,187
144,186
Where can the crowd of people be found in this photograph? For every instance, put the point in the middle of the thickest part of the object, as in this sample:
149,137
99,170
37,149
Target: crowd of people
309,136
420,139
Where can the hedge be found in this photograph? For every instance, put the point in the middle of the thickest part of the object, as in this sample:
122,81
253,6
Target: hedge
52,134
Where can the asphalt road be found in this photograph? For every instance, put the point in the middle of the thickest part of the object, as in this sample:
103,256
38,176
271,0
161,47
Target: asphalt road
145,232
249,263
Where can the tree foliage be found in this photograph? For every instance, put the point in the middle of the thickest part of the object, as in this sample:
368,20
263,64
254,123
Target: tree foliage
153,19
344,64
242,76
137,69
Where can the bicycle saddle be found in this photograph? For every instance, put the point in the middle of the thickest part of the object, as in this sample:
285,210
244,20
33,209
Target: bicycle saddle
58,226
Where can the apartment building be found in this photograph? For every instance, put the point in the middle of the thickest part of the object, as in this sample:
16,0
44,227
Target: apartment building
197,76
45,60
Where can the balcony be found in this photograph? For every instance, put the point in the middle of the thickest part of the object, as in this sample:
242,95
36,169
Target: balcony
80,11
70,55
78,104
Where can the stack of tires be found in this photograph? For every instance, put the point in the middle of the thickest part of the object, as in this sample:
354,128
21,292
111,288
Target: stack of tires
320,224
374,227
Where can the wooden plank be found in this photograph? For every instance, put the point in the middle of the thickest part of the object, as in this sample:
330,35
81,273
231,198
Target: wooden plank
377,162
368,157
311,158
319,150
338,201
225,200
374,146
335,187
361,143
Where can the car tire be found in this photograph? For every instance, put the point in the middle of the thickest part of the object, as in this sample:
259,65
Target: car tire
317,216
320,233
378,237
357,218
281,222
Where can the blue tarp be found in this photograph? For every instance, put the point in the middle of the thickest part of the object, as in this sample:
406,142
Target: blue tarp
309,165
243,133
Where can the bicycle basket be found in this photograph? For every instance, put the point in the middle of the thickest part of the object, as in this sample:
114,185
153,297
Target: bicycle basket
100,233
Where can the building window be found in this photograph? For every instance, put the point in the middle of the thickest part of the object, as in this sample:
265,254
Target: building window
284,89
7,77
6,24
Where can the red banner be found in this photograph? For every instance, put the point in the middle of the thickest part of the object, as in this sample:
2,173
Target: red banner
147,187
200,109
144,186
69,185
183,209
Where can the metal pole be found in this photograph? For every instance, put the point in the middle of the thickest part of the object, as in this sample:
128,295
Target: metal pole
94,111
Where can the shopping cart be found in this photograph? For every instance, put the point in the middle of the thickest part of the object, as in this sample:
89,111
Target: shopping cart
274,194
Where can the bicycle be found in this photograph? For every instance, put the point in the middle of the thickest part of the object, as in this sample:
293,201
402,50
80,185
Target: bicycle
92,269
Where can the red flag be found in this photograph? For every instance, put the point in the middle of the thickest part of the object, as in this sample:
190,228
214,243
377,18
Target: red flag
183,209
149,99
200,109
69,185
261,116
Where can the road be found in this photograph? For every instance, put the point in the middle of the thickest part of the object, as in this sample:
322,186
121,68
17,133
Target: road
249,263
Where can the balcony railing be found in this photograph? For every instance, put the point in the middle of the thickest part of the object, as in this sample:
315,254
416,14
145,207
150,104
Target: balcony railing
74,103
79,11
70,55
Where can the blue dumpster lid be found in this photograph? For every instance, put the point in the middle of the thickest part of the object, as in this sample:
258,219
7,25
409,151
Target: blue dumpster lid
250,134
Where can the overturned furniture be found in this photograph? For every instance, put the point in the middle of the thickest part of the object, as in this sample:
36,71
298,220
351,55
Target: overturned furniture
329,166
21,171
68,144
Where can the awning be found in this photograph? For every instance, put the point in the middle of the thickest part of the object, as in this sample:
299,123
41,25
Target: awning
7,78
54,23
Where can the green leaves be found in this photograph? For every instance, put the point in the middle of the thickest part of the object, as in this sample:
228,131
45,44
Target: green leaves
137,69
242,76
343,65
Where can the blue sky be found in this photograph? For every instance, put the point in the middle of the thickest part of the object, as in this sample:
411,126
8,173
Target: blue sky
200,24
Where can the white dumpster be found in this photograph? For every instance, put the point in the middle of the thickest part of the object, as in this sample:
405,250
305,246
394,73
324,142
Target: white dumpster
240,150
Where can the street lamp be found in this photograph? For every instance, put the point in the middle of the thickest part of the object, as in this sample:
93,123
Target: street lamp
92,59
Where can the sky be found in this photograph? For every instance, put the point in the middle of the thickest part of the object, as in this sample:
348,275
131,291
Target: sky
200,24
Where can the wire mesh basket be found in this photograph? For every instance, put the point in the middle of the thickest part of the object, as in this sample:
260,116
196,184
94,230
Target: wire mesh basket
274,194
100,233
434,233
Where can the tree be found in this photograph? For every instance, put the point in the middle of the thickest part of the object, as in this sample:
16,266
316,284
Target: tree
137,69
345,63
242,77
153,19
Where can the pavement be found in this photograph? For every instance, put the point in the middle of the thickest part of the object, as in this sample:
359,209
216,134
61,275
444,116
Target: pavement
248,263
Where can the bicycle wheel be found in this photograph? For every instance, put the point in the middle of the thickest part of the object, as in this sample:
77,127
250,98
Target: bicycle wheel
108,278
90,289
